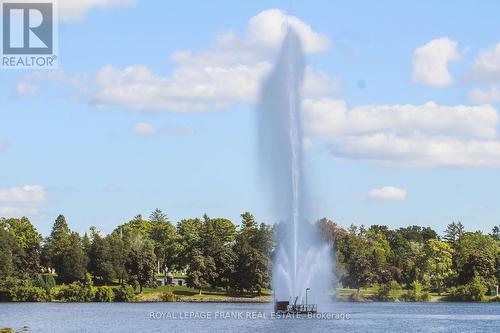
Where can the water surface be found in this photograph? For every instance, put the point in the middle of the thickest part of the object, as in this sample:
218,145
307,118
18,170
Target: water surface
136,317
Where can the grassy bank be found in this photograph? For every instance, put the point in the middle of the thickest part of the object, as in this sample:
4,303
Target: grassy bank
186,294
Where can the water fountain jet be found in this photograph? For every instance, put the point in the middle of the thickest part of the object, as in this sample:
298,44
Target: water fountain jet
301,261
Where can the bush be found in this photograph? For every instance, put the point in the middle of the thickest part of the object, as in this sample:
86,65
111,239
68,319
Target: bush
6,288
416,294
169,297
26,292
104,294
472,291
75,292
45,281
124,294
387,291
13,290
356,297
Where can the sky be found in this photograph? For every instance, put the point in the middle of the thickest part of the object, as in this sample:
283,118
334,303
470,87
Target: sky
153,106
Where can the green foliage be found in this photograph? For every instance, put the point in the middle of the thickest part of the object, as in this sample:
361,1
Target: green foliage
104,294
28,240
200,271
416,294
46,282
10,255
454,232
356,254
438,262
100,258
189,232
74,292
123,294
14,290
141,262
169,297
474,291
482,264
63,251
387,291
137,225
466,259
164,236
27,292
215,253
252,249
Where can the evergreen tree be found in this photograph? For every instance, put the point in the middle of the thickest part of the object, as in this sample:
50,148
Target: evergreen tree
100,261
165,241
56,244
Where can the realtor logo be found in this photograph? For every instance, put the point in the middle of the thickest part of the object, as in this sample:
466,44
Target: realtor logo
28,34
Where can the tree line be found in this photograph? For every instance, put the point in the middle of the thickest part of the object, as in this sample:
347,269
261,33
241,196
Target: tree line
209,251
465,264
216,253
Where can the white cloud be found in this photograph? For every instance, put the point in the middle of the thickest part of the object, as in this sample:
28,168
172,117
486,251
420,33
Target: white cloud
387,193
486,70
187,89
229,72
27,194
17,211
76,9
486,67
29,84
485,96
144,129
22,200
430,62
410,136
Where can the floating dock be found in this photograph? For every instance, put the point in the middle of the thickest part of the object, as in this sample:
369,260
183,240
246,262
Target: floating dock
284,307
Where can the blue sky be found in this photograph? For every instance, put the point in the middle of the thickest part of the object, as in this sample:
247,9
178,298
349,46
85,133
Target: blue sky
153,106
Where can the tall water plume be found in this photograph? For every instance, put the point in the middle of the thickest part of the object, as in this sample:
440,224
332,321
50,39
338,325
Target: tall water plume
301,261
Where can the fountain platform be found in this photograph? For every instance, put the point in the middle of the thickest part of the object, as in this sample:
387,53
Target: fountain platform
284,307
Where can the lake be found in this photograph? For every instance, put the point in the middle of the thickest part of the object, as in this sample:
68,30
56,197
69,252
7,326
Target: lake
226,317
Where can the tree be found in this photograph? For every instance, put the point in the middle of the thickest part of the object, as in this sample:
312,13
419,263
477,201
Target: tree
164,235
74,262
63,251
475,252
380,251
100,261
438,256
189,239
479,264
453,232
119,251
201,270
495,232
29,241
56,244
217,242
252,248
141,261
10,255
137,224
418,234
157,216
356,254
